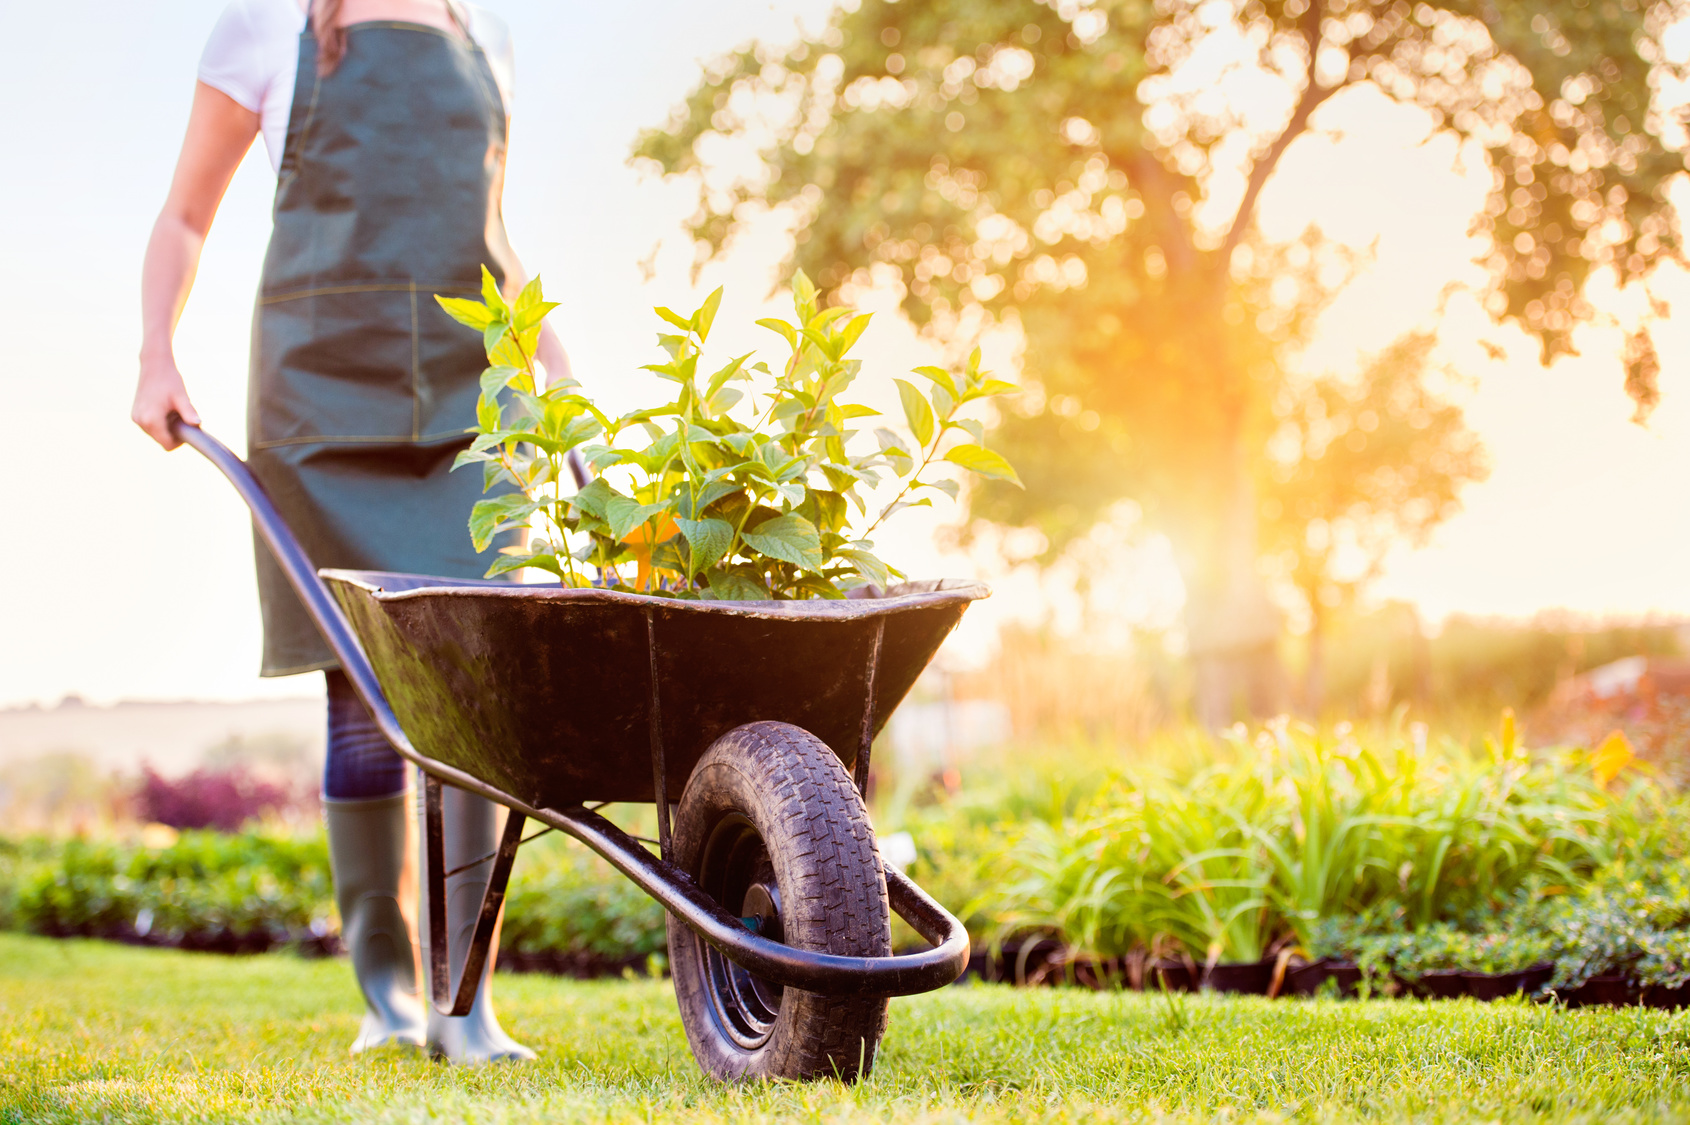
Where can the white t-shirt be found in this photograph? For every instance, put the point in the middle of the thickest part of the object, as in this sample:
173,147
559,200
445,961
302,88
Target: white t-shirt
253,56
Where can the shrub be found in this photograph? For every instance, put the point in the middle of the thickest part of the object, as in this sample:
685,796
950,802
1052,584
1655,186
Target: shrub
222,799
206,890
565,900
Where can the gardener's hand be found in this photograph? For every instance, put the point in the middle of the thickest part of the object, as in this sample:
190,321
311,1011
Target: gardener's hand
159,393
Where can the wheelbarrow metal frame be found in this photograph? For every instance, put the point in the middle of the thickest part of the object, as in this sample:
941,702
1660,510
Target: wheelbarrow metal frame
665,882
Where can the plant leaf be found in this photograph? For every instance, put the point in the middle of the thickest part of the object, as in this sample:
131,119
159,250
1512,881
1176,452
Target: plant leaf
787,332
490,294
530,296
720,378
728,586
853,330
593,498
979,459
491,516
710,540
943,403
867,565
940,376
674,318
624,515
706,315
471,314
916,411
526,318
790,538
803,289
496,379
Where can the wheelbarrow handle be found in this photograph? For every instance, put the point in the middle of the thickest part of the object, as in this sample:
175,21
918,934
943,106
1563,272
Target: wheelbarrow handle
302,576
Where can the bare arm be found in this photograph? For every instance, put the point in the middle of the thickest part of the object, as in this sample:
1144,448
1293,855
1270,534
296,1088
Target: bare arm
550,352
220,131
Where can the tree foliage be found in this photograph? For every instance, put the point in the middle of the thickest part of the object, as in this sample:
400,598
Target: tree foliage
1089,171
1354,467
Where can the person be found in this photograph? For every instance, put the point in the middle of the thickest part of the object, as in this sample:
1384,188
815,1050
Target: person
386,122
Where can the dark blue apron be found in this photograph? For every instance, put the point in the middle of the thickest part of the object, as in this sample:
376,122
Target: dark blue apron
361,386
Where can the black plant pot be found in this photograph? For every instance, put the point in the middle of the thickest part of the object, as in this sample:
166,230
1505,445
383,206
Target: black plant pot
1348,976
579,964
1657,997
1495,986
981,967
1442,984
1175,976
1033,962
1028,961
1250,978
1306,980
1612,989
1534,979
1099,974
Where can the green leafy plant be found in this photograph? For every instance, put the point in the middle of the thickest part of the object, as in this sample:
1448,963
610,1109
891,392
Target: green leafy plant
252,890
1507,952
750,484
567,900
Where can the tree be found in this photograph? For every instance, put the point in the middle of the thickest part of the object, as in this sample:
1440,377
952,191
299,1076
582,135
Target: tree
1354,467
1054,163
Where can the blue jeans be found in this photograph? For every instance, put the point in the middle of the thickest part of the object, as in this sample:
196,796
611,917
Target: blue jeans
360,764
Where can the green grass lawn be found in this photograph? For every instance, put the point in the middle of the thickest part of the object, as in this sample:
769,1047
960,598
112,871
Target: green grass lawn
94,1032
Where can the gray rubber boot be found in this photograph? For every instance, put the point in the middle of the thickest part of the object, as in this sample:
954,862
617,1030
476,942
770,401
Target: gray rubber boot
472,826
372,857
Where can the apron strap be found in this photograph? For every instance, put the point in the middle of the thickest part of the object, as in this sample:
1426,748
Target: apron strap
459,18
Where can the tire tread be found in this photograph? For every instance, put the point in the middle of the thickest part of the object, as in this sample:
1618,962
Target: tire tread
820,839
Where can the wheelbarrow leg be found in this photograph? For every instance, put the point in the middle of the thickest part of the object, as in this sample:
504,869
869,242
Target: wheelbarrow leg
464,891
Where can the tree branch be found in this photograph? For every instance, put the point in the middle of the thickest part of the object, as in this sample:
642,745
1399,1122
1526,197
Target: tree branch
1156,186
1312,97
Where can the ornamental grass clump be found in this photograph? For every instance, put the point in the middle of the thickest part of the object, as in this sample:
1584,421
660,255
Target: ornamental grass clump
750,484
1262,848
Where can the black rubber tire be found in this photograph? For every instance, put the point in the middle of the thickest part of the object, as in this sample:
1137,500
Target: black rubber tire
783,785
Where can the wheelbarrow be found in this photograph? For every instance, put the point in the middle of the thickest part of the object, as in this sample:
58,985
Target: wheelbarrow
747,724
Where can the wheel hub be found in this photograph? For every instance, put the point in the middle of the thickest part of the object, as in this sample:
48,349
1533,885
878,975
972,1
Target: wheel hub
736,871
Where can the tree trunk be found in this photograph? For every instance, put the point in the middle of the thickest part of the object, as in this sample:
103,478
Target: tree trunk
1232,626
1314,676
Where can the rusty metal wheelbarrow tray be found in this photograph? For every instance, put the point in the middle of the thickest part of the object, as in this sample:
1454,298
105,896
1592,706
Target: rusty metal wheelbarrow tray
545,700
558,696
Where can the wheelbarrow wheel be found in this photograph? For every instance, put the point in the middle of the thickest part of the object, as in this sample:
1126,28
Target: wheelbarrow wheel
772,828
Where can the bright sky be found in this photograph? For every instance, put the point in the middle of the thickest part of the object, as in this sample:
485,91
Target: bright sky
127,573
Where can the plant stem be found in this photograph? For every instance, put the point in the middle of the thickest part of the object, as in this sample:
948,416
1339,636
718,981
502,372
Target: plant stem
915,478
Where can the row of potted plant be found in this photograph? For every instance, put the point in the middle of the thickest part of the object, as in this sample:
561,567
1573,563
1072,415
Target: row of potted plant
1282,861
1623,937
204,890
1274,864
255,891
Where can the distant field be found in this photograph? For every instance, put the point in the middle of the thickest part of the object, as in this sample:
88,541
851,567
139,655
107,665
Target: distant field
98,1032
171,736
